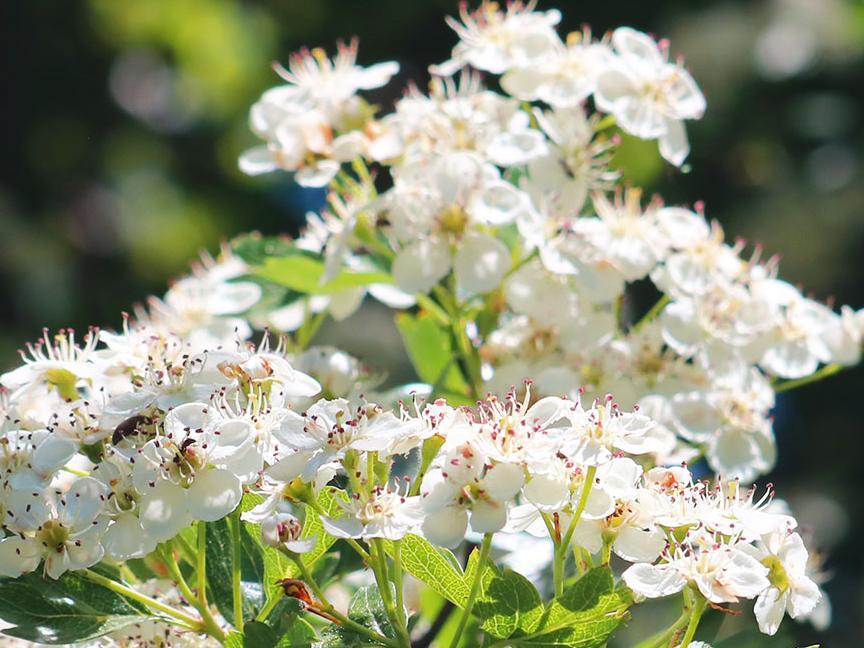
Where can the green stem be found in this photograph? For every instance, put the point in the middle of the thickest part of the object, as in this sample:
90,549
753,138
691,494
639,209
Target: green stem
379,568
236,575
187,552
824,372
469,357
397,581
327,606
210,624
475,589
563,548
201,571
311,323
695,617
606,555
653,312
267,609
75,471
114,586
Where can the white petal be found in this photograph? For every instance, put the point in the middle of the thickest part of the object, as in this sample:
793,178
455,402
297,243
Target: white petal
653,581
52,454
421,265
503,481
481,262
214,494
163,511
19,556
87,549
488,516
769,610
638,545
127,539
674,146
803,597
548,492
257,160
344,527
589,535
446,528
83,503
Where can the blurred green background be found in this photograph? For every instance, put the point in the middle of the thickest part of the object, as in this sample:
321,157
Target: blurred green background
123,120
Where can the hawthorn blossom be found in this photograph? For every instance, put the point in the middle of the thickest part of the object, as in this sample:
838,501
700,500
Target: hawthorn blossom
649,96
791,591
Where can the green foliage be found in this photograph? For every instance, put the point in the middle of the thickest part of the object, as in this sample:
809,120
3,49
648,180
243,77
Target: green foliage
435,567
584,616
306,275
431,351
69,609
508,602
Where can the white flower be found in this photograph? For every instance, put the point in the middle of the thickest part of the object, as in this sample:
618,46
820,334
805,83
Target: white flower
791,591
649,96
629,528
381,514
565,77
126,537
319,439
67,532
596,433
731,422
283,531
495,41
188,472
721,572
797,343
314,80
58,363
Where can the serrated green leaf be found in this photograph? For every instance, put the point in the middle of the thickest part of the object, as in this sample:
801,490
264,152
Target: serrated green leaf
508,602
305,274
434,567
219,566
583,616
431,352
69,609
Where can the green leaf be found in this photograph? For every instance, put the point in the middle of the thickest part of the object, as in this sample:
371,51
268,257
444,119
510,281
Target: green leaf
255,249
508,602
367,609
434,567
70,609
258,635
583,616
234,640
428,345
305,274
219,576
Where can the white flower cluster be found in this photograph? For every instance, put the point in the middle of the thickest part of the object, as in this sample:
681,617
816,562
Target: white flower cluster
112,448
510,200
499,215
